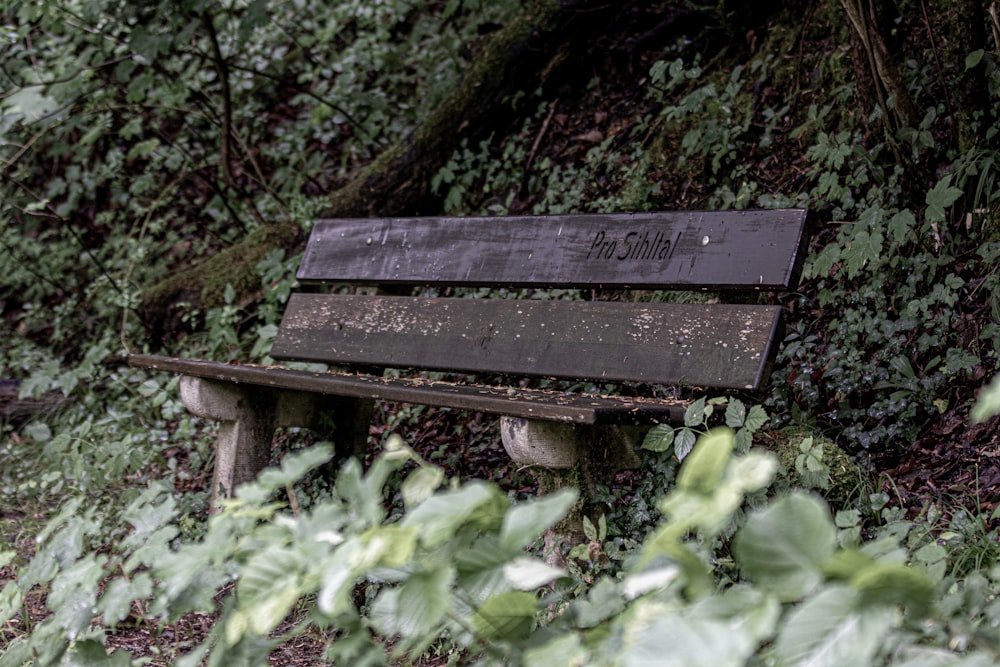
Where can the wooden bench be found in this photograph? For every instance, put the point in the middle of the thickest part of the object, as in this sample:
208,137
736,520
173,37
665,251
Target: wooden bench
571,336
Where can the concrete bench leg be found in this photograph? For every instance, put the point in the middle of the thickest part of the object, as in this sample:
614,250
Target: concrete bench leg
569,455
249,415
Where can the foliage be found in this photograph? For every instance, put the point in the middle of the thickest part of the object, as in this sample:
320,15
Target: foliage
797,586
873,362
504,178
131,147
140,138
696,418
910,341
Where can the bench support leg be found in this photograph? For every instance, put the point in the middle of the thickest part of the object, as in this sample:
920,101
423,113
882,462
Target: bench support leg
243,449
250,414
249,417
569,455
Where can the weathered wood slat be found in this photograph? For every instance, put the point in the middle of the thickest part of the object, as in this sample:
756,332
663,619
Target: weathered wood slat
711,250
527,403
717,345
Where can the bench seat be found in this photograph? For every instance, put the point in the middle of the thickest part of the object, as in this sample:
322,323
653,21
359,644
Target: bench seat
550,405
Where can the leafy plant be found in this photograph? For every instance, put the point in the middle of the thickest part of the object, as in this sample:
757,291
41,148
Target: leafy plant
681,439
889,353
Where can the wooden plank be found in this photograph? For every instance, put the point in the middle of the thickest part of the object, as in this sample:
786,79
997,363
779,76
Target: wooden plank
713,250
717,345
527,403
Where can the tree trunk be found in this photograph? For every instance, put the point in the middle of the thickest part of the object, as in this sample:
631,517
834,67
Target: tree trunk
17,411
971,92
876,68
519,57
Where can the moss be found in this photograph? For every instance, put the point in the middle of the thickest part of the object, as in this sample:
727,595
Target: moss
204,285
846,481
237,265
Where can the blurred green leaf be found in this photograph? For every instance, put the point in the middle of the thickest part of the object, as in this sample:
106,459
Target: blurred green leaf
702,470
527,521
832,630
785,546
508,616
988,403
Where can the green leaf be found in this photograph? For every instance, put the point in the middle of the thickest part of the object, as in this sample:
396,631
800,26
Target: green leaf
932,558
785,546
10,601
116,603
744,438
940,197
509,616
421,484
824,262
268,586
695,413
684,441
526,521
415,609
439,517
831,630
901,226
736,413
565,649
293,468
527,574
390,545
671,640
660,438
28,104
756,419
91,653
73,594
589,530
959,360
864,248
38,431
891,584
154,509
974,58
703,469
602,601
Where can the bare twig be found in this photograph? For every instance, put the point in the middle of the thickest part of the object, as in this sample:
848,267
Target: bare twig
541,133
952,116
227,102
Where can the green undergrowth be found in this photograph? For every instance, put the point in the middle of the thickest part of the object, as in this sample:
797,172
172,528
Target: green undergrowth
719,553
785,580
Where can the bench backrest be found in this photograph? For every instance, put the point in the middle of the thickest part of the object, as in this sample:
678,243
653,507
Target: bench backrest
667,343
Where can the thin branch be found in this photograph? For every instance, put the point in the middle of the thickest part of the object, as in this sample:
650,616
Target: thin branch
55,214
67,78
308,93
227,101
952,116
